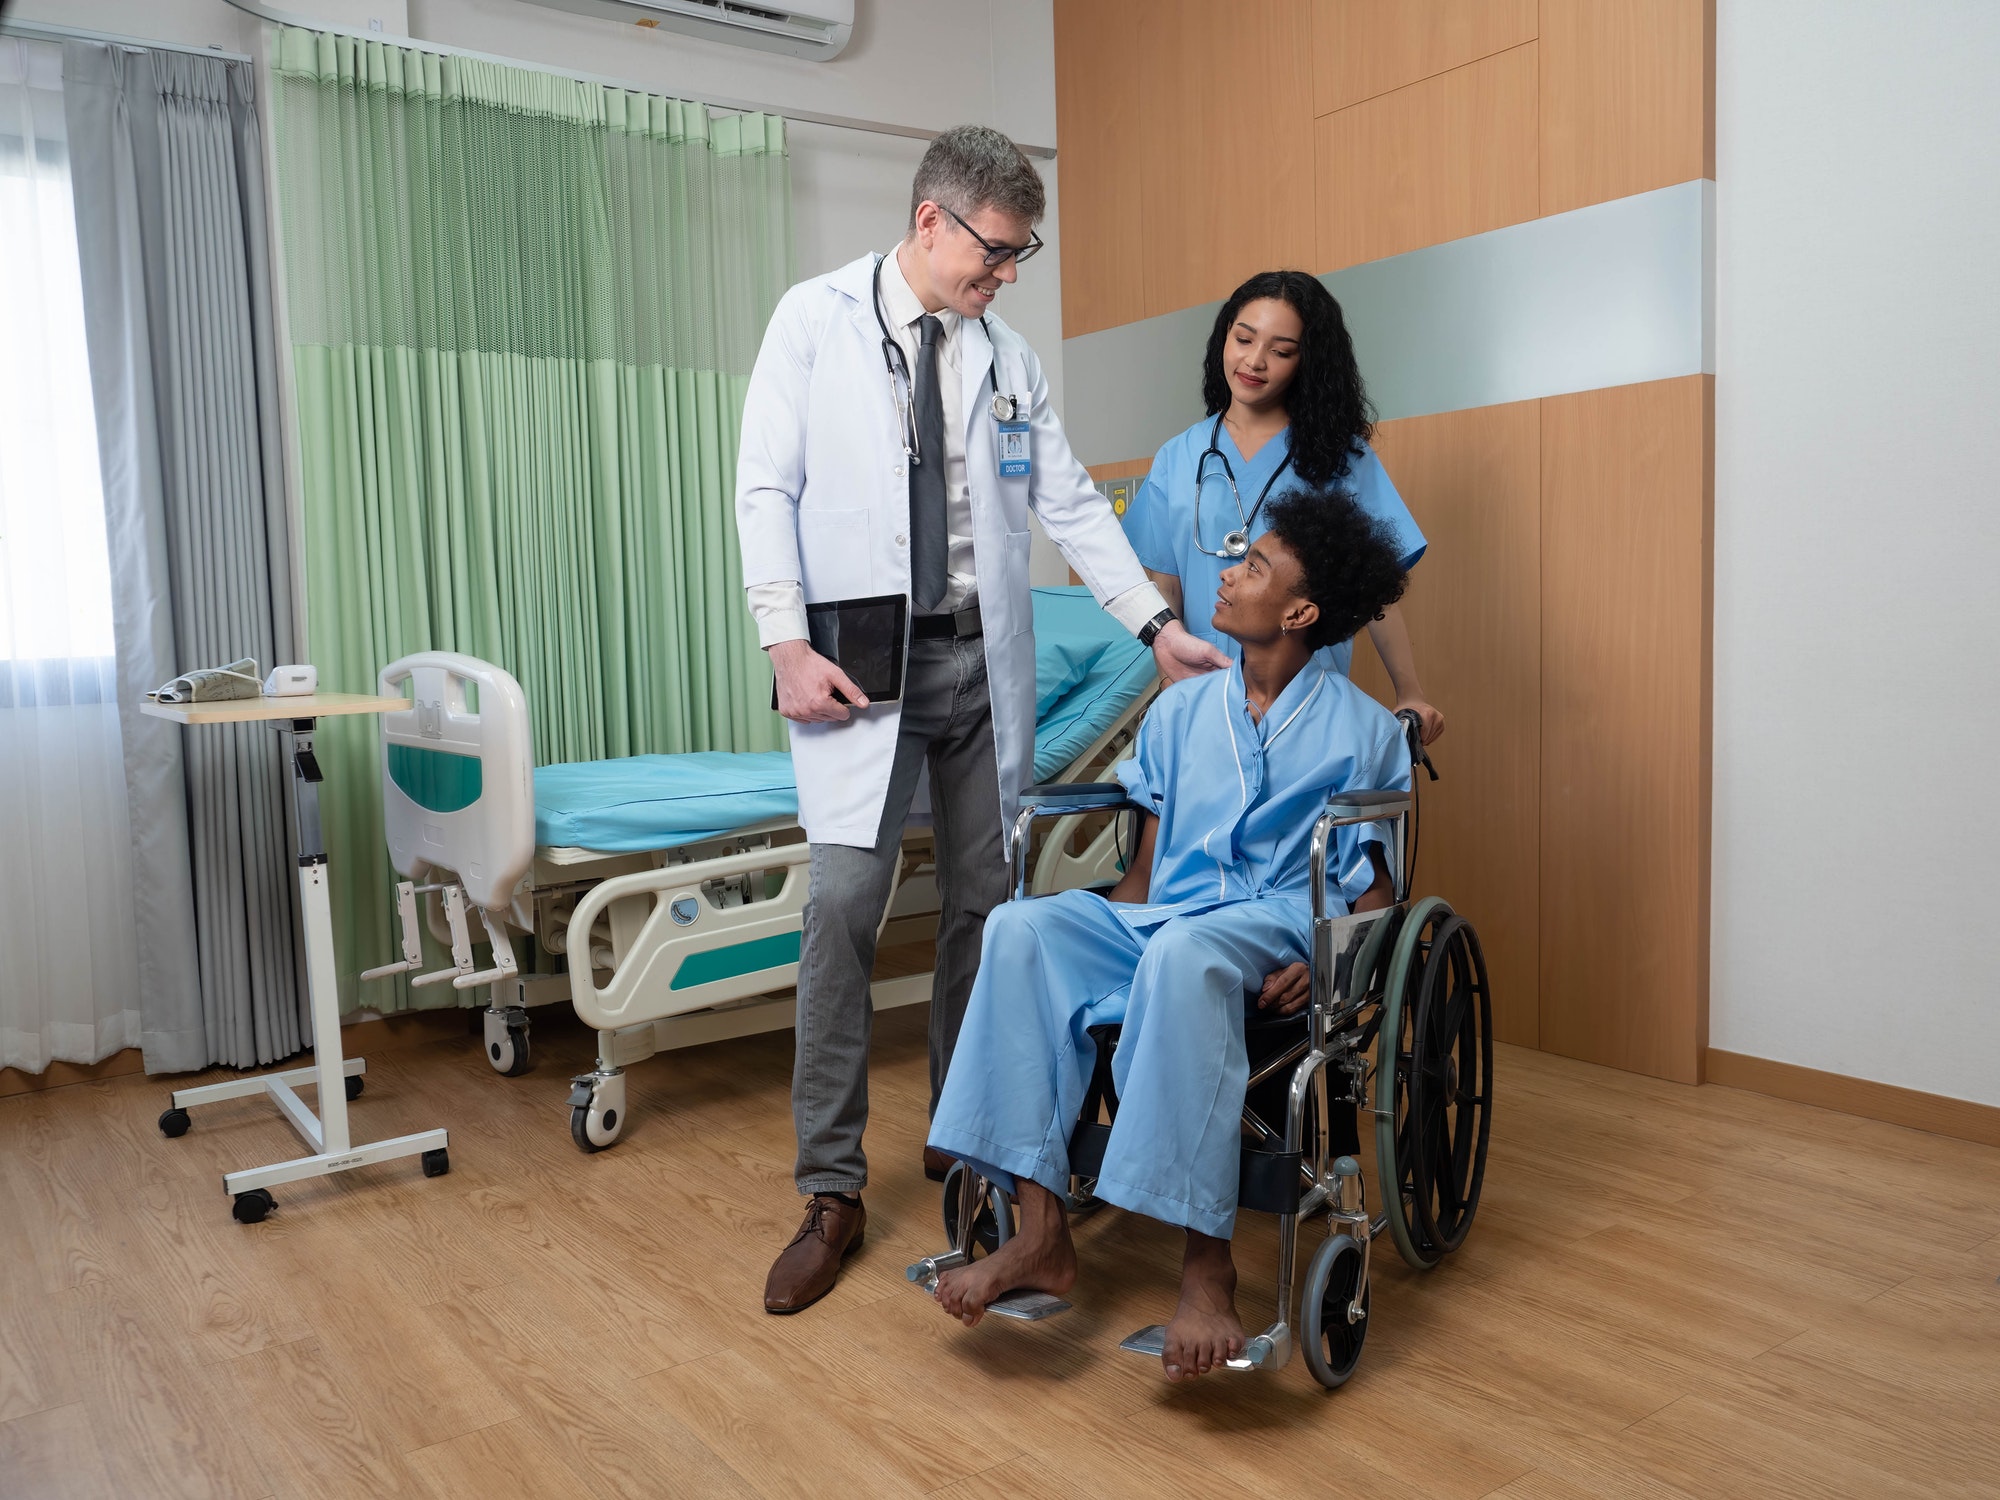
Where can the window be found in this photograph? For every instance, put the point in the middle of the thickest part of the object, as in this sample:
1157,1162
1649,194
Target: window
55,576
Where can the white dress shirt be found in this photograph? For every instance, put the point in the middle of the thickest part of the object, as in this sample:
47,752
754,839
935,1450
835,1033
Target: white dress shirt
780,608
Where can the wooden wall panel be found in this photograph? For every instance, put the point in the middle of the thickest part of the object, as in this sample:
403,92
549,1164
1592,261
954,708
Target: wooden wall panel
1362,48
1472,480
1226,165
1100,141
1626,586
1450,156
1628,98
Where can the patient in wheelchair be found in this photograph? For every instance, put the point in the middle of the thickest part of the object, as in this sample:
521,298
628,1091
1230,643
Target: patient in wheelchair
1210,923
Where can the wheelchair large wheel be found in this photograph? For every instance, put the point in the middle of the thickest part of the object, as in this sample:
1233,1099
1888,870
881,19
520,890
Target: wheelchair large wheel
1398,1142
1330,1343
994,1224
1451,1084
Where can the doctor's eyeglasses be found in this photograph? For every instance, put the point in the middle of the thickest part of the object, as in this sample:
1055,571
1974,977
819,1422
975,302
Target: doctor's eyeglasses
999,255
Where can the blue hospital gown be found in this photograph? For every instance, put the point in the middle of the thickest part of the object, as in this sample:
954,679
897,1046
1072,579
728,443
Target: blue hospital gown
1229,902
1160,522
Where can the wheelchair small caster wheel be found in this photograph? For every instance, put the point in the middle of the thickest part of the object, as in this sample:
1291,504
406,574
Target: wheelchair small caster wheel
174,1123
437,1163
1331,1342
251,1207
994,1224
353,1083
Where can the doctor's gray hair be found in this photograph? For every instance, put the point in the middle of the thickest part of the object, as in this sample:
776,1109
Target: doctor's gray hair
971,167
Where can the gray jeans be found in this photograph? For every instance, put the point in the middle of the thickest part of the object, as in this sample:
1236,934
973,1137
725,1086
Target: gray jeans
947,720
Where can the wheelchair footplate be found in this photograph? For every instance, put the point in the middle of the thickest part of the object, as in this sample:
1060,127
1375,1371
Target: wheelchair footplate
1269,1350
1021,1304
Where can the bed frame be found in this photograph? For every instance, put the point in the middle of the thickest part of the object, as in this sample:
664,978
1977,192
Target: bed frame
659,950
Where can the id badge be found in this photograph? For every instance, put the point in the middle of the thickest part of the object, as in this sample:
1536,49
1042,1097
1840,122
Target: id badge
1014,460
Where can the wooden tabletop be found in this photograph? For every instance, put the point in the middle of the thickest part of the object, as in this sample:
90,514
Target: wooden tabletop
254,710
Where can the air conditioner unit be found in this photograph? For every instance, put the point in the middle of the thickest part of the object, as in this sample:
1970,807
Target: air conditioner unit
815,29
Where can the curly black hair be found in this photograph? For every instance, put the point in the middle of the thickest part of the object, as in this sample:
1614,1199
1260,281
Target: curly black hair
1326,401
1352,570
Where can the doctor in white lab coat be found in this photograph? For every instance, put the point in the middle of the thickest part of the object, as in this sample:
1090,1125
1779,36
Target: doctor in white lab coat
896,438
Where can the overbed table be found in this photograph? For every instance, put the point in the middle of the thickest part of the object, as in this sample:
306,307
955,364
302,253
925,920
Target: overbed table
338,1078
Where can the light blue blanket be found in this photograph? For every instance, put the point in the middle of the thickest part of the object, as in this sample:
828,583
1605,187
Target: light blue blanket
1088,671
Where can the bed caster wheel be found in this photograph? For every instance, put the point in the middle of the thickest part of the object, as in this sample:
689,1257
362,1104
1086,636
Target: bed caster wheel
506,1034
597,1110
1331,1333
174,1123
353,1084
437,1163
251,1207
994,1224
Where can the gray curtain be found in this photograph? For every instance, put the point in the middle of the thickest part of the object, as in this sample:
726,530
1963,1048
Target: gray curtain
167,170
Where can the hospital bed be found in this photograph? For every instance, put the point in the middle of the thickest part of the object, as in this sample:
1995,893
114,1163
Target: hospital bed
664,894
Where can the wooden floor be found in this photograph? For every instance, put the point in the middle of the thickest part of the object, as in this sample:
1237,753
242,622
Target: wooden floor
1669,1292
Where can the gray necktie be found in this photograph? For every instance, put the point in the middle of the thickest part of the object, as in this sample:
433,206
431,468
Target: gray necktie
928,541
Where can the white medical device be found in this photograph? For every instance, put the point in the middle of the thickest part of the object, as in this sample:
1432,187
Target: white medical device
292,682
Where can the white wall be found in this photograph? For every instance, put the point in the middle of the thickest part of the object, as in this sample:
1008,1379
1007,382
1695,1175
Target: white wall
924,63
1857,540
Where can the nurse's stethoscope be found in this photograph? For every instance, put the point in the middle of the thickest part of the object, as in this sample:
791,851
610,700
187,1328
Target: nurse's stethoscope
1237,542
902,390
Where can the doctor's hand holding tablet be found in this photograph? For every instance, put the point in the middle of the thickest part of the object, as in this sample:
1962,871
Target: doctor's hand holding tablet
897,440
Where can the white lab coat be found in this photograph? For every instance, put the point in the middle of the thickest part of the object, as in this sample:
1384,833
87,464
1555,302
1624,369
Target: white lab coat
822,497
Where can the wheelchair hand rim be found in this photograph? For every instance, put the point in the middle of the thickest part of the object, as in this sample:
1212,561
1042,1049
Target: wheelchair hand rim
1391,1152
1452,1037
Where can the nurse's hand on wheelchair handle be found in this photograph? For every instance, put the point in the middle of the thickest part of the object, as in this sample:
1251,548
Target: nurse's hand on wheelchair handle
1430,723
1413,731
1286,992
808,682
1182,654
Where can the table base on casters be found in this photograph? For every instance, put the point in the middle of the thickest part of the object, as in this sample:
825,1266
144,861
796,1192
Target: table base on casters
336,1079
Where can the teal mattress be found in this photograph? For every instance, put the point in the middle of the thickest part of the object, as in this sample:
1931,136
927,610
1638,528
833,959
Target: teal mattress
1088,671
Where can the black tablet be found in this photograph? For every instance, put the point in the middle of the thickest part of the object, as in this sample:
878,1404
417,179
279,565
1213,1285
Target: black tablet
868,639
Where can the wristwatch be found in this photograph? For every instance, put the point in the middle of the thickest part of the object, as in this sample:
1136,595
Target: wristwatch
1155,625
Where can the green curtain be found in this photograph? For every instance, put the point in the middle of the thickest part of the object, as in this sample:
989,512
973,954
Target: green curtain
523,313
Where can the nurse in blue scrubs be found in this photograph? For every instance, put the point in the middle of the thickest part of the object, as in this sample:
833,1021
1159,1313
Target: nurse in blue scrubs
1286,410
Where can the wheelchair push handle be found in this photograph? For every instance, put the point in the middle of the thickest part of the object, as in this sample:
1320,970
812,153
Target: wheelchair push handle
1413,731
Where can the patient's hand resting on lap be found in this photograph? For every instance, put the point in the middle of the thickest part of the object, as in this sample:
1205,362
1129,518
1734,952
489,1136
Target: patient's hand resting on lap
1286,991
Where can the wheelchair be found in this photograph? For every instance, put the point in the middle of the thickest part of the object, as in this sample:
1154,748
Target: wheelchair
1398,1030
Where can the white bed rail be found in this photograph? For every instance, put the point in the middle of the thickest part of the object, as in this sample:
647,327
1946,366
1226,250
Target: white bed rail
671,950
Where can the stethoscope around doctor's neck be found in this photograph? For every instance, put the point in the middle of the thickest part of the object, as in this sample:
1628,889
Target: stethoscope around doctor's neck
903,390
1236,543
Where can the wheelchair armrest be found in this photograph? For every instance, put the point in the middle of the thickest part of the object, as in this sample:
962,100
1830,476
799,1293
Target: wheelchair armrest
1062,797
1360,807
1059,799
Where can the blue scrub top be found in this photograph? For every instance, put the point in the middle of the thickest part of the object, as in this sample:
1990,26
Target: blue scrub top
1160,522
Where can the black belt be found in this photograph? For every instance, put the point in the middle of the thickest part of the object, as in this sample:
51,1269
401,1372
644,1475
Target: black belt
963,626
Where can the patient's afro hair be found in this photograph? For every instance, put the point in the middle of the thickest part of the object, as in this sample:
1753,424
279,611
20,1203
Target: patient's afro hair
1351,567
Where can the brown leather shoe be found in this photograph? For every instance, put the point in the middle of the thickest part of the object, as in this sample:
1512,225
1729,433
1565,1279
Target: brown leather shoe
936,1163
807,1268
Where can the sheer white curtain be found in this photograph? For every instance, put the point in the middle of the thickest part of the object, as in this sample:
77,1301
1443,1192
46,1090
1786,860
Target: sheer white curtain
68,958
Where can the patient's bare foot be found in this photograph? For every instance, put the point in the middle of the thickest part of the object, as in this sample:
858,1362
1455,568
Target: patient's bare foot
1205,1330
1040,1258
